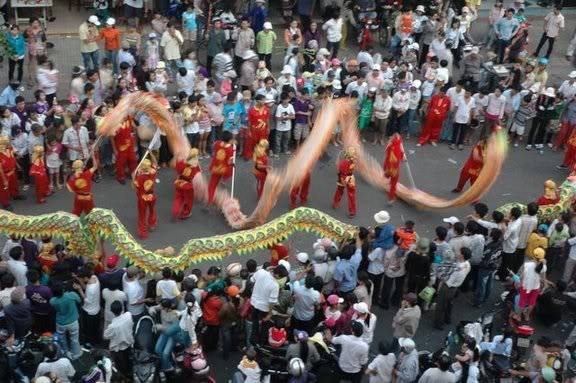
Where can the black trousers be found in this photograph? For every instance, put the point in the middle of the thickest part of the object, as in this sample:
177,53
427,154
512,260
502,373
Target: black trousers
257,316
333,47
424,49
123,362
211,336
12,64
537,131
543,40
508,260
392,295
459,132
90,328
377,284
209,60
24,163
351,377
443,312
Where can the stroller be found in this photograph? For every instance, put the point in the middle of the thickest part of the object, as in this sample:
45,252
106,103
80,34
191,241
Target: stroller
145,361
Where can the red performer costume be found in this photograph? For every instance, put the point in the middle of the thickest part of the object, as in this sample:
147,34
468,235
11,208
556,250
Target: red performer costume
393,154
38,171
80,183
4,189
144,181
260,166
222,163
124,150
550,196
346,181
278,252
8,161
184,188
570,155
302,190
437,111
472,167
258,118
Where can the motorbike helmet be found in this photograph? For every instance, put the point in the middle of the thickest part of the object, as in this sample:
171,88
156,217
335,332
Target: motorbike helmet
296,367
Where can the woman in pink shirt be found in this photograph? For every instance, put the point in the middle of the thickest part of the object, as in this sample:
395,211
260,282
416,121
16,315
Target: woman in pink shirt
494,111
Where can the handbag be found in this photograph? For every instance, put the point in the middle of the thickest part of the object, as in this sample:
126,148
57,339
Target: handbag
427,294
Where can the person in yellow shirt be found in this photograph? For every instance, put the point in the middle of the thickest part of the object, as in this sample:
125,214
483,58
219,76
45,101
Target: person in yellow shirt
537,239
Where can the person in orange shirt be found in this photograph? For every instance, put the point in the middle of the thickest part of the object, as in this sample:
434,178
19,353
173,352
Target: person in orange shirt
143,182
123,145
261,166
38,171
80,183
184,196
472,167
222,162
111,36
346,181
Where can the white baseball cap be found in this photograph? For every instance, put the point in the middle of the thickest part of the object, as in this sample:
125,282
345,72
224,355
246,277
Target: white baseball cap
267,25
376,67
572,74
302,257
361,307
94,20
451,220
110,21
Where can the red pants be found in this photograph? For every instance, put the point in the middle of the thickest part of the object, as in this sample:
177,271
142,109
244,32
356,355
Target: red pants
260,181
465,176
182,203
142,226
570,156
13,186
431,130
42,188
82,204
562,136
213,184
393,186
123,159
4,196
301,190
351,190
251,140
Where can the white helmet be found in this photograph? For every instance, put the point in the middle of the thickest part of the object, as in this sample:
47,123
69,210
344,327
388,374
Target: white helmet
296,367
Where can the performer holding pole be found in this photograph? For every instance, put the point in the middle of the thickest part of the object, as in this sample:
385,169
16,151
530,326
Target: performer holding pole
472,167
80,183
261,166
393,154
346,181
258,129
222,165
123,146
144,180
184,188
38,171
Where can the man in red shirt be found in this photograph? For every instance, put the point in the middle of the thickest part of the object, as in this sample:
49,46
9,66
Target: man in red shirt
123,145
258,129
346,181
437,110
80,183
222,162
393,154
184,188
143,182
472,167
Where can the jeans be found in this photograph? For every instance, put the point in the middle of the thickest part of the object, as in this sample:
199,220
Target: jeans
90,56
568,270
12,64
411,117
165,344
501,49
446,134
106,152
281,141
389,295
69,339
483,286
113,56
229,336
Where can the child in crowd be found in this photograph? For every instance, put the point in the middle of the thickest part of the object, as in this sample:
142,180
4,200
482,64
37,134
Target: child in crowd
277,334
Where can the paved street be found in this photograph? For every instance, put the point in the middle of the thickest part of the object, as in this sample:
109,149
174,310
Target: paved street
435,170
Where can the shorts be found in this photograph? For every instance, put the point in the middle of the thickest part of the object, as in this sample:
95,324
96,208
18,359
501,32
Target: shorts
528,299
53,170
130,12
189,34
301,131
517,128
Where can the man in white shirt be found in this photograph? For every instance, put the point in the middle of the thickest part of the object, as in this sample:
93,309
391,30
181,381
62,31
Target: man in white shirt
8,119
171,42
354,354
463,113
119,333
90,314
400,104
448,289
359,86
283,115
264,296
510,244
59,368
76,140
528,224
553,23
17,267
568,87
134,292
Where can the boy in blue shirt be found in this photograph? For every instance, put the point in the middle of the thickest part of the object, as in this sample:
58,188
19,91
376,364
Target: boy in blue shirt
232,112
189,25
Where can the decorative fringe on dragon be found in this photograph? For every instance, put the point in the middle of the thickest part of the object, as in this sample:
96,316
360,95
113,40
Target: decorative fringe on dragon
83,235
